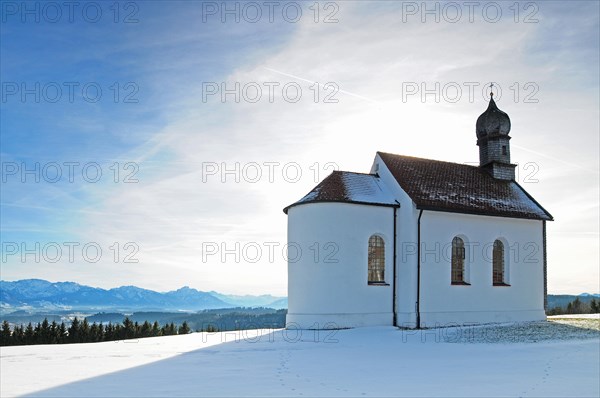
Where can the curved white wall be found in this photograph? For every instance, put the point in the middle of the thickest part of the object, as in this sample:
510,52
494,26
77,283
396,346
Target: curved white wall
329,288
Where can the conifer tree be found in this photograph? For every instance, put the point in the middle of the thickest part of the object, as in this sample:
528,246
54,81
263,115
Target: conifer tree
101,330
74,330
5,334
53,333
184,328
84,331
156,329
44,330
146,330
62,333
594,306
109,332
577,306
37,334
128,328
119,332
18,335
169,329
29,335
94,333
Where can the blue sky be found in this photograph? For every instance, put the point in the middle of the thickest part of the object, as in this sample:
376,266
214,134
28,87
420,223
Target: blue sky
172,145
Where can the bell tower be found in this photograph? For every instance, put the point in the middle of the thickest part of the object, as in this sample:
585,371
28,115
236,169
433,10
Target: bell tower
492,130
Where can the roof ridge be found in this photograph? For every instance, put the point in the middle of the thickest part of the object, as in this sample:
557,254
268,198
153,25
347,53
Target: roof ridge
354,172
426,159
461,188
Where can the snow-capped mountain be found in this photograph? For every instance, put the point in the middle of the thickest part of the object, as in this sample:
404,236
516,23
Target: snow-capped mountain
37,293
589,295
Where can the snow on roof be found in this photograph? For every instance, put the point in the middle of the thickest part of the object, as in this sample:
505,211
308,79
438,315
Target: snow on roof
432,185
348,187
454,187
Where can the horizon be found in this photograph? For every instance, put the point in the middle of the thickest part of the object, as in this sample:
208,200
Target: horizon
143,288
156,145
224,293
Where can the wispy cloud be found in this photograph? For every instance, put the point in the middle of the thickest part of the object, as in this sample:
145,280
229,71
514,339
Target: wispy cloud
177,206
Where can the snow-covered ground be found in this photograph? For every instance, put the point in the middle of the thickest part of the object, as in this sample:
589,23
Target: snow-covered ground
535,359
578,316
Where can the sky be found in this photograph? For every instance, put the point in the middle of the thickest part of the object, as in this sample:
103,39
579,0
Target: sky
156,143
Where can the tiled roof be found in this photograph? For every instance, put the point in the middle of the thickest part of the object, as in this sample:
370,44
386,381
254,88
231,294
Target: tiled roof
454,187
343,186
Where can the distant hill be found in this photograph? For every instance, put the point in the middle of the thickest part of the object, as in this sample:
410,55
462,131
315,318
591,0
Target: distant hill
38,294
562,300
265,300
228,319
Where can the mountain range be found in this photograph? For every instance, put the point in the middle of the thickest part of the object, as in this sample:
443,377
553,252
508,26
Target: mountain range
35,294
38,294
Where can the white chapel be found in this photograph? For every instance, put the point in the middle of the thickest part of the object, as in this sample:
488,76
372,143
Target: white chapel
421,243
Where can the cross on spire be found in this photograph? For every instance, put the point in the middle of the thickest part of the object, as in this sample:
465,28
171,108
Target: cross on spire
491,89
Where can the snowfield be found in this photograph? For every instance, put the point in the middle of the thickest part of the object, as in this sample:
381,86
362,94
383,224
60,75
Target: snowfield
579,316
533,359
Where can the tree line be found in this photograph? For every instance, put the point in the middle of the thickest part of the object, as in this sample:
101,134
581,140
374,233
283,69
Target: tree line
577,307
82,332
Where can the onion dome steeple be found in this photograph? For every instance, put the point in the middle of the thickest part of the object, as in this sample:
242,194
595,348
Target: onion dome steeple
492,130
493,121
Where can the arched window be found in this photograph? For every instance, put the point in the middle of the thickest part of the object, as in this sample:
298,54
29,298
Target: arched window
458,261
498,263
376,260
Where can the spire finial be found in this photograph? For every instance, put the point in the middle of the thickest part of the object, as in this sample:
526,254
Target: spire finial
491,89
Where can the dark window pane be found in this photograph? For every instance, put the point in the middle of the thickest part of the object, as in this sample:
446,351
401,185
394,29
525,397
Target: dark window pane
376,259
458,260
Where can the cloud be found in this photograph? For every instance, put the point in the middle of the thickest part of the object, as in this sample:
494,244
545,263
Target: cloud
187,195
